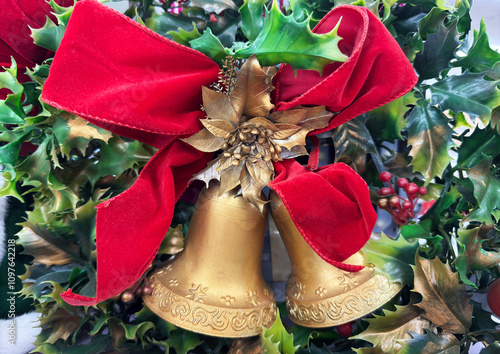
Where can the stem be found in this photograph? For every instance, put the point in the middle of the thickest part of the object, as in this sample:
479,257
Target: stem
448,241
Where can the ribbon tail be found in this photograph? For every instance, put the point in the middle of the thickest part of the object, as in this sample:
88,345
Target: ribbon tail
131,226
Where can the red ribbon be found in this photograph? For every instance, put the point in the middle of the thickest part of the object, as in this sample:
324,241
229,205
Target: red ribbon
123,77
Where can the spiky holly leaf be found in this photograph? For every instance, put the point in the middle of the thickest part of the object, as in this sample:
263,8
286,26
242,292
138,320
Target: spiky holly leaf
184,37
276,338
62,324
444,299
284,40
486,192
353,141
215,6
480,56
392,257
472,256
430,343
385,331
481,143
439,49
72,131
385,123
252,20
183,341
468,93
210,45
11,109
49,36
430,138
46,248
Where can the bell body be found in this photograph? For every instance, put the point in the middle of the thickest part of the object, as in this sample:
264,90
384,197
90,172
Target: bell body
215,285
319,294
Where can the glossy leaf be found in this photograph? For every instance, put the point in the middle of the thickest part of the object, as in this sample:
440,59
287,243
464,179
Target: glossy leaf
472,256
481,143
49,36
430,343
284,40
184,37
11,109
215,6
468,93
252,20
439,49
486,192
209,45
392,257
183,341
444,299
276,338
386,331
430,138
385,123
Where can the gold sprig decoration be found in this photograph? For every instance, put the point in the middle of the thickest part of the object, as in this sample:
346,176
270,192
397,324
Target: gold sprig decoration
250,136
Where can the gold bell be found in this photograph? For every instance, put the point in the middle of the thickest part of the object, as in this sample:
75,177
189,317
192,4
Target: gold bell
215,285
319,294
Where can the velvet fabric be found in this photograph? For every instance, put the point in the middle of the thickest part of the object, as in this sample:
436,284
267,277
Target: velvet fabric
330,206
16,18
123,77
376,72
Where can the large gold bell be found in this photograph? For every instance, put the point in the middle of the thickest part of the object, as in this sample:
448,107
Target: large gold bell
319,294
215,285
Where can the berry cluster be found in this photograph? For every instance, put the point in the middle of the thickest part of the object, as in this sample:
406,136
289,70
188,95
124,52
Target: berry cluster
138,289
401,209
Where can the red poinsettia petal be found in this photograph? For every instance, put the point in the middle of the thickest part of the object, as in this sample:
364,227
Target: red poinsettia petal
375,73
125,78
331,208
131,226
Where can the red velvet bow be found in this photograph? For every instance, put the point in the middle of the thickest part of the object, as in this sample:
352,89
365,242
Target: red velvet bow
138,84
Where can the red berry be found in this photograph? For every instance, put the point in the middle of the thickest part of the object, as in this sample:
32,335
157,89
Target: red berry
493,297
394,201
384,176
385,191
407,205
402,182
411,189
422,191
345,330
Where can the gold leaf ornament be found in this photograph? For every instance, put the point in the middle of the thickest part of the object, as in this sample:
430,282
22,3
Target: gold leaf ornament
240,123
79,127
444,299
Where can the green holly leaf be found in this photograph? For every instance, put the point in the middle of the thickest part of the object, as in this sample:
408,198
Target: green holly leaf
209,45
36,166
468,93
392,258
276,339
252,20
439,49
168,22
472,256
49,36
284,40
480,56
493,348
11,109
353,141
486,192
184,37
215,6
481,143
183,341
386,331
385,123
61,13
430,138
430,343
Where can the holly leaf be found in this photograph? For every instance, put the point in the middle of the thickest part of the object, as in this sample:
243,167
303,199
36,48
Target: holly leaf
444,299
385,331
209,45
480,56
472,256
493,348
430,138
62,325
392,258
486,192
184,37
468,93
481,143
353,141
284,40
11,109
46,248
439,49
386,122
183,341
49,36
276,339
430,343
252,20
215,6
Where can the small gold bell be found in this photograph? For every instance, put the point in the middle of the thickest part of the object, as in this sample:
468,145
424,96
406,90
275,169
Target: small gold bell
215,285
319,294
